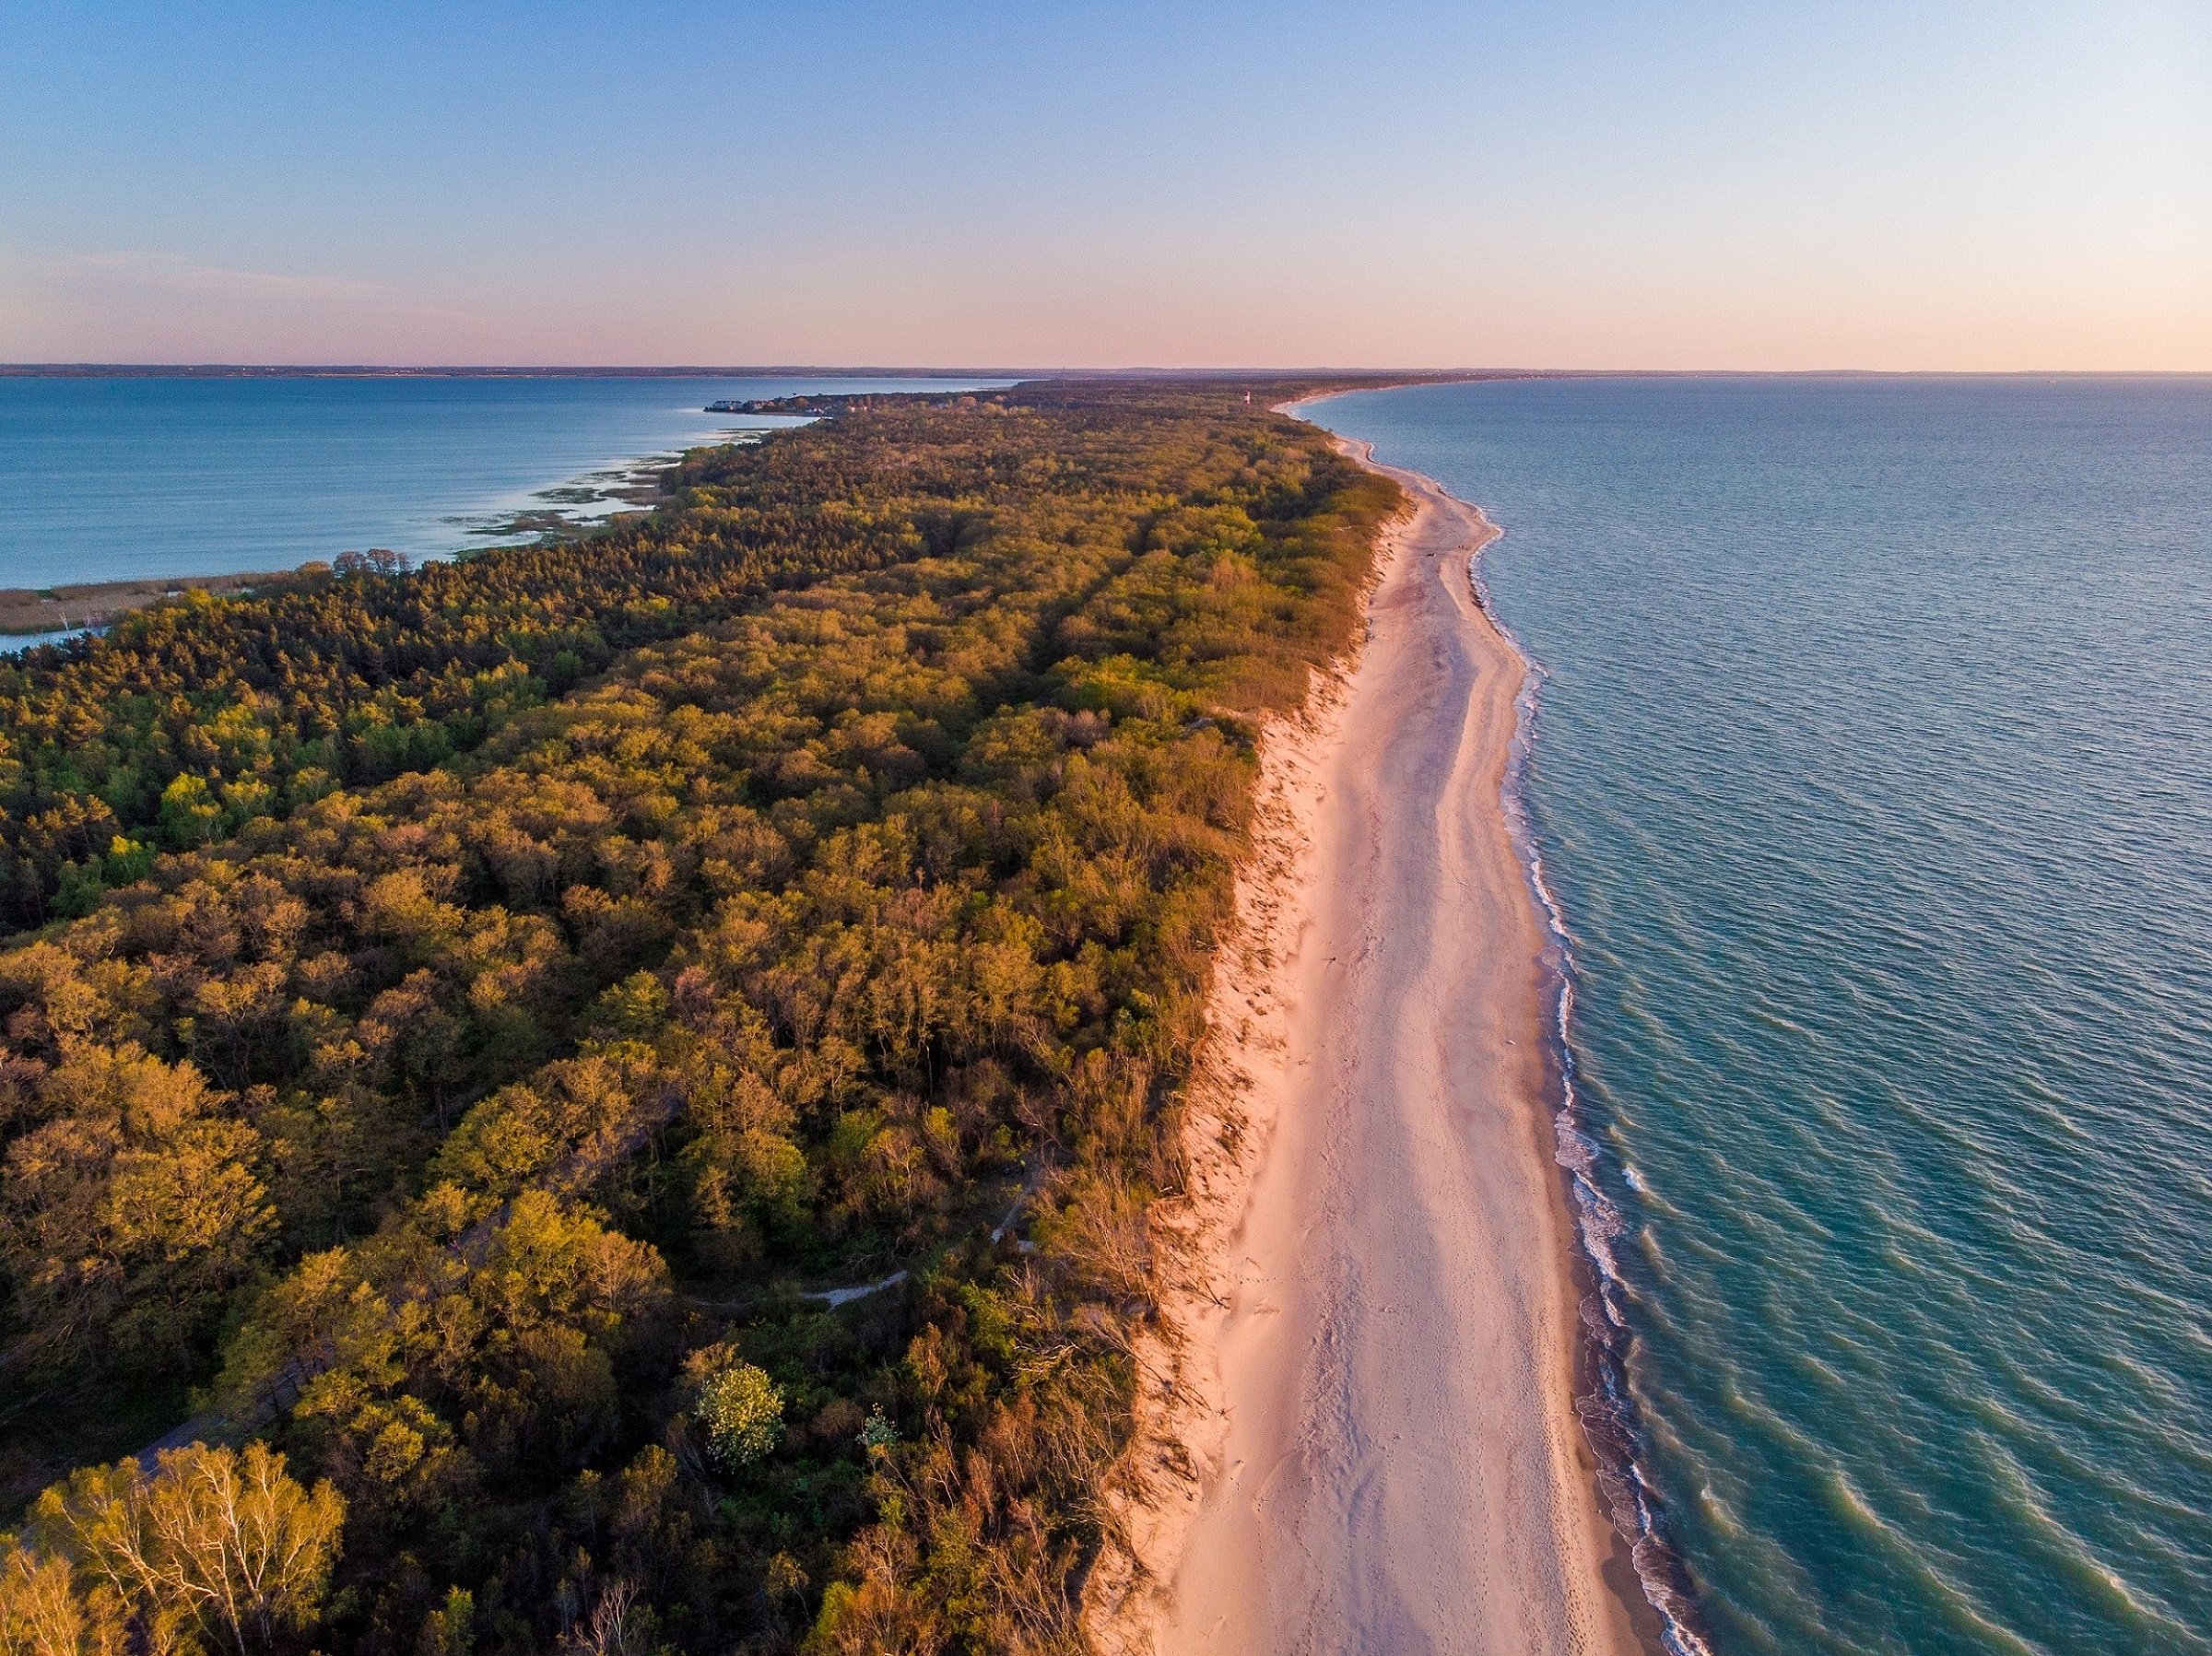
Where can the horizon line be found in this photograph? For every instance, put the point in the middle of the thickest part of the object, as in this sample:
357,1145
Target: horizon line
828,371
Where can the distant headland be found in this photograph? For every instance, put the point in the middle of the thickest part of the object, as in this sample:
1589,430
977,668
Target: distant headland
325,371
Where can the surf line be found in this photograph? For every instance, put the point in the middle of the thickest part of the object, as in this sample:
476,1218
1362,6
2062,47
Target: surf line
1604,1402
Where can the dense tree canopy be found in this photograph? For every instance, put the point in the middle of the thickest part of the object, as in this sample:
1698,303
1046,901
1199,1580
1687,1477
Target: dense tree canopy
483,999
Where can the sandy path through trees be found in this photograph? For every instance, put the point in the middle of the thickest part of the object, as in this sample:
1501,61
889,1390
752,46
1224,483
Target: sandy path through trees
1396,1463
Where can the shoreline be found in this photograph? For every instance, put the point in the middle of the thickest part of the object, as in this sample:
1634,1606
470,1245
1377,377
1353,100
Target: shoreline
1603,1400
1288,1487
1664,1603
30,615
571,506
83,605
570,510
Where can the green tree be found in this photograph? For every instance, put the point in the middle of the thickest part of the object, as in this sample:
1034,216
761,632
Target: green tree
190,814
839,861
212,1544
739,1407
41,1612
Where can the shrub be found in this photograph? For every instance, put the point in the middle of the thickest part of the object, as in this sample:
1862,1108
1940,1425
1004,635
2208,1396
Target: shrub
741,1410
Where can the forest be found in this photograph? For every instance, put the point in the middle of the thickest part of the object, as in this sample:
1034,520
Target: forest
467,1033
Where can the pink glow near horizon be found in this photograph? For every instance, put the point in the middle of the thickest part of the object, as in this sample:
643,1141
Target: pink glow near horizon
1999,188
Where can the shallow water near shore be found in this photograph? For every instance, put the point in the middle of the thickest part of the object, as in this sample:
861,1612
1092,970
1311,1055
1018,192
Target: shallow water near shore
123,477
1873,773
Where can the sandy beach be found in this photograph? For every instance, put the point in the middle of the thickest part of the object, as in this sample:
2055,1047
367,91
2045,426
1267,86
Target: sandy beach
1361,1432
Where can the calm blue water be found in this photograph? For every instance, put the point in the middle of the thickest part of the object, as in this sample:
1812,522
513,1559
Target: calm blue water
1873,772
104,479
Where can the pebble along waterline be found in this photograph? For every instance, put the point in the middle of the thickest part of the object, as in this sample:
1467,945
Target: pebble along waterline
1873,779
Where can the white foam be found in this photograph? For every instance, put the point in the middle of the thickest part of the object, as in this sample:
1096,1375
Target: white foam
1627,1489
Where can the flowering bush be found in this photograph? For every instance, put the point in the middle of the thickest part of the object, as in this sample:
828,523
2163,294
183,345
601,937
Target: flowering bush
742,1412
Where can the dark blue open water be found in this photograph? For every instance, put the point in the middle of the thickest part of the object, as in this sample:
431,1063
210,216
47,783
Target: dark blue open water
123,478
1873,774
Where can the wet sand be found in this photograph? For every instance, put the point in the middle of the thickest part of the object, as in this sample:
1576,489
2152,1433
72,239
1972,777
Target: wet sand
1358,1431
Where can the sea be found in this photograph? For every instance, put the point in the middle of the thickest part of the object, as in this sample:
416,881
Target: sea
131,477
1867,761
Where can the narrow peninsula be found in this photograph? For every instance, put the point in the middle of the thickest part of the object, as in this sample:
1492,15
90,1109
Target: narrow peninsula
916,1051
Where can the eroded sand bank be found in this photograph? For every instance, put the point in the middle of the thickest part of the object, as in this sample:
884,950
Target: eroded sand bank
1360,1425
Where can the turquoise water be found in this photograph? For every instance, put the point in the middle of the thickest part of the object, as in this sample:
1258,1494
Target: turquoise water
124,478
1872,773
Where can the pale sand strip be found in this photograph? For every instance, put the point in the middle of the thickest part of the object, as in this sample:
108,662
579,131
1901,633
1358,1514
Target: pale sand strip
1357,1432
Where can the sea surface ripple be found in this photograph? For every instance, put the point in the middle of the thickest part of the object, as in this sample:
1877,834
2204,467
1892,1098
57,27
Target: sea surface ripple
1873,774
135,477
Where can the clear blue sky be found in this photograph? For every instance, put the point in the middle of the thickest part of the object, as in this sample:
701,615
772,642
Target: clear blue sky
1935,184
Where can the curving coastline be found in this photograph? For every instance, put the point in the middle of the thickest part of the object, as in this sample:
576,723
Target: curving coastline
1360,1428
1602,1396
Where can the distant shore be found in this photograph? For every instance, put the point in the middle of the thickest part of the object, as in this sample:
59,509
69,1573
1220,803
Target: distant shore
325,371
1366,1412
629,488
91,603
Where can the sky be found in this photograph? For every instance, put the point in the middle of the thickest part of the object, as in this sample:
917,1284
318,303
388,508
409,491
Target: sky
1951,185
